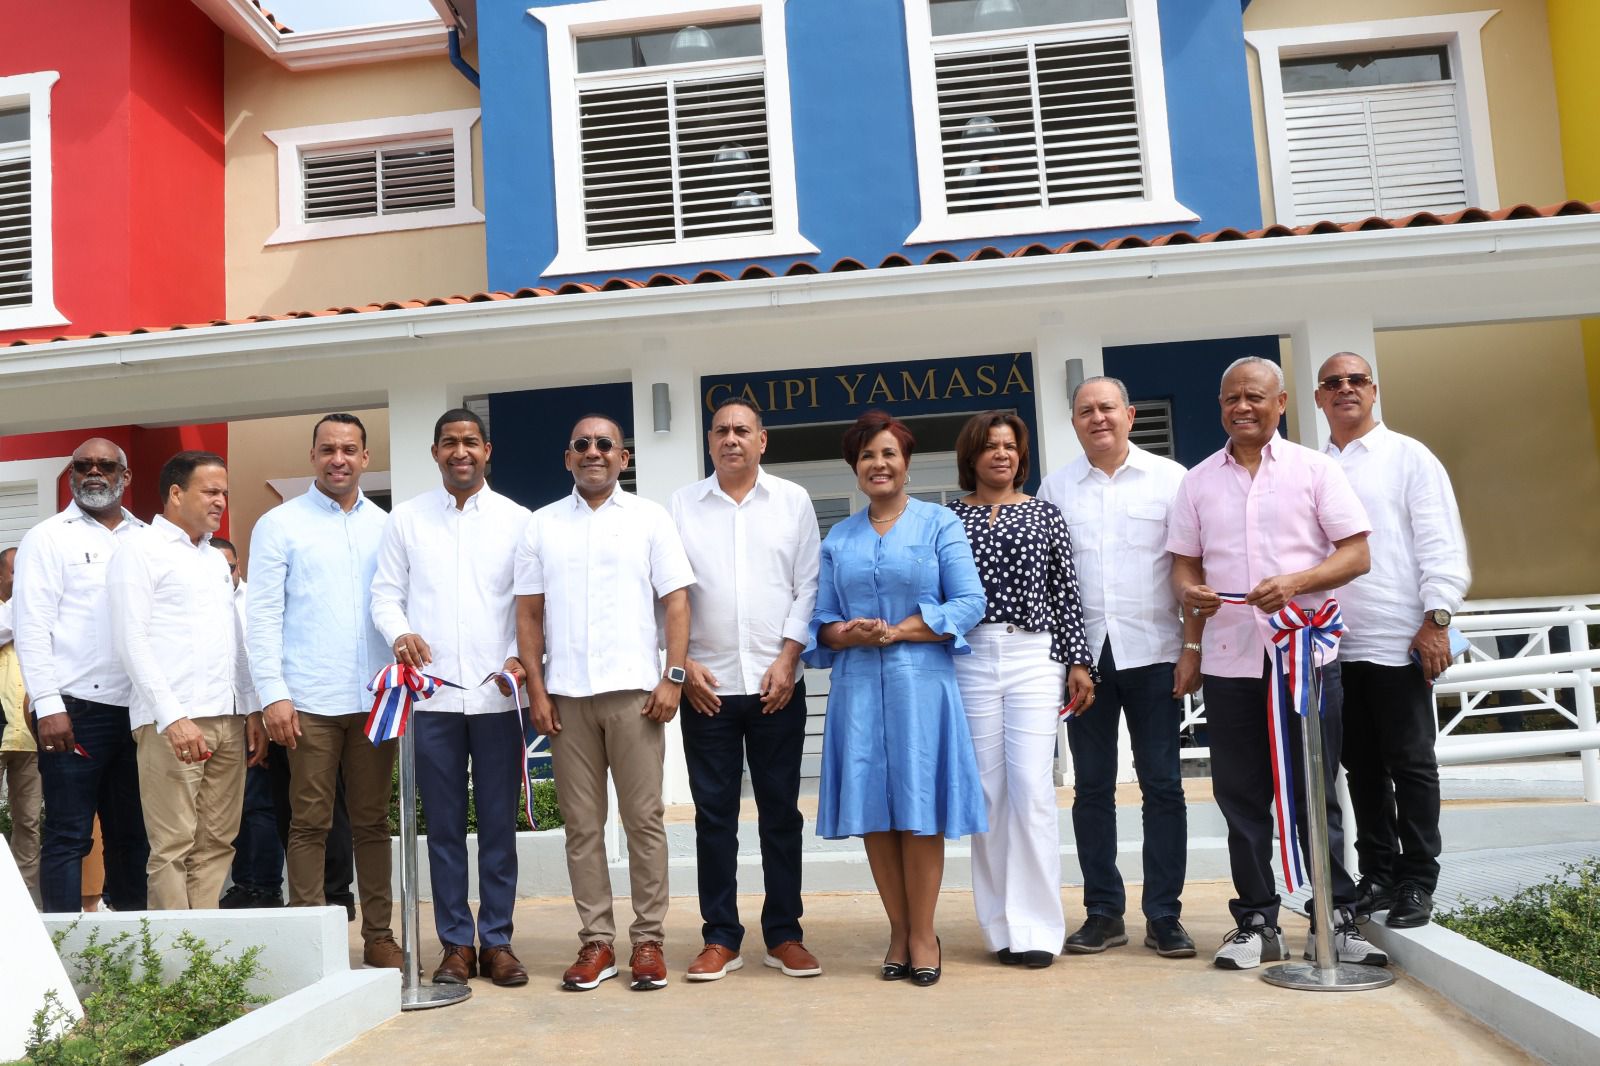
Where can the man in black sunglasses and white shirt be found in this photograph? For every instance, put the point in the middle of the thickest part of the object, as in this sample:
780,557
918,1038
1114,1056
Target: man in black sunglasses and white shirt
88,763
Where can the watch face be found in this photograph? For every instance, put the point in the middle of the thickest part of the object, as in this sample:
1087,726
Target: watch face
676,675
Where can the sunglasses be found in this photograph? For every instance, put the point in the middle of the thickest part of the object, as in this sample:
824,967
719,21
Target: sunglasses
602,444
108,467
1335,382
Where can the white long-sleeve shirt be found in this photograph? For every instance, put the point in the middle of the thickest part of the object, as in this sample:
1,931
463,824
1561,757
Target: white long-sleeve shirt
445,574
755,567
1419,550
1119,547
62,623
175,628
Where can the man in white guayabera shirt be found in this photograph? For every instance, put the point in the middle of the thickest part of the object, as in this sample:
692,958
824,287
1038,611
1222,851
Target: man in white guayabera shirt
1399,641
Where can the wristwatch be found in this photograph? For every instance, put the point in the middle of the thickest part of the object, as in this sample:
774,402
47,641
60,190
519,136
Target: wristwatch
1190,645
1440,617
676,675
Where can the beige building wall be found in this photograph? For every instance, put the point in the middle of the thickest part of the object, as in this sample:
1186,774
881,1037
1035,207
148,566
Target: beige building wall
263,449
260,95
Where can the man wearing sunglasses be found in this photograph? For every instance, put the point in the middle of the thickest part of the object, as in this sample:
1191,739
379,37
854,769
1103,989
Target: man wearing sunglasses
1399,642
88,763
591,570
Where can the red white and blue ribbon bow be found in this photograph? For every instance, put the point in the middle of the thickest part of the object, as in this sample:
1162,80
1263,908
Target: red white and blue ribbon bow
396,687
1301,642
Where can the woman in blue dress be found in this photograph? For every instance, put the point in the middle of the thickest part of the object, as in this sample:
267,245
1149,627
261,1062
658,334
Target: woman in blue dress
897,592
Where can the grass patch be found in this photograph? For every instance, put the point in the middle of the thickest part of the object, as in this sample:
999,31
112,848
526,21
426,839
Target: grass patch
1553,926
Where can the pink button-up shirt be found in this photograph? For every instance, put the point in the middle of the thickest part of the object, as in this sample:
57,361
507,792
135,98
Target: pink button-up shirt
1245,530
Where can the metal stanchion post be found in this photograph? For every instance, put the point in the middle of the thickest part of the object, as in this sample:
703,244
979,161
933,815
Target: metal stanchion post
414,995
1327,974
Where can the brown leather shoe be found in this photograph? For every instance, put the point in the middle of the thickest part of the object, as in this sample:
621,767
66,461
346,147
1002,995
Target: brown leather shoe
714,962
502,966
459,963
649,966
596,963
793,959
383,953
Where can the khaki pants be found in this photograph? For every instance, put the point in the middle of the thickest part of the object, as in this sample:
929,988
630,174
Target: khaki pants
598,732
191,813
327,743
24,794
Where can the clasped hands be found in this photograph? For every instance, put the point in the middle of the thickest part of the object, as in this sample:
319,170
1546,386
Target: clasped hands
867,632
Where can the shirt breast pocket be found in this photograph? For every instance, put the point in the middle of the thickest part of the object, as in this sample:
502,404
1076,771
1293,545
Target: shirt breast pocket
1147,524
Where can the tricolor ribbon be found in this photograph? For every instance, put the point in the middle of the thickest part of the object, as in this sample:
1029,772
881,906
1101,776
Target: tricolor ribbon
397,687
1301,642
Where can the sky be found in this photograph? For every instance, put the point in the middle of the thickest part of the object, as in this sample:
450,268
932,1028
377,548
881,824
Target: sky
324,14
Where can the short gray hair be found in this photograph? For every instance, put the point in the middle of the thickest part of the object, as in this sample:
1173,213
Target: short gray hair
1121,388
1249,360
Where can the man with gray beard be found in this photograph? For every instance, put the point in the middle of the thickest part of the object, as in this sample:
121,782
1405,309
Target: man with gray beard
79,691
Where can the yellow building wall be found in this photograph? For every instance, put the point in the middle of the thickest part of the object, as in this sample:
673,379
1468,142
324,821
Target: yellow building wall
260,95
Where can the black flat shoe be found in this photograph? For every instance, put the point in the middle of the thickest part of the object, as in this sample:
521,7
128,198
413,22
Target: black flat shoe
895,971
1035,960
1007,957
923,976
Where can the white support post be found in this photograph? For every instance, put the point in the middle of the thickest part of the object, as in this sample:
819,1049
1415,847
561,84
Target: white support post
1312,342
1060,353
418,395
1583,700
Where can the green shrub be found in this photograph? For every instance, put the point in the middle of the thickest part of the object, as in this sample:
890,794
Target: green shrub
546,809
1553,926
129,1015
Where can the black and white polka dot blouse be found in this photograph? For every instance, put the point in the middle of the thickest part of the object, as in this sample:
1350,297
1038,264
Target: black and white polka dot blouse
1025,561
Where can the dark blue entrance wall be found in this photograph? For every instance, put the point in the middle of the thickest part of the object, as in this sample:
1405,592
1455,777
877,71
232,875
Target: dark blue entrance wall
854,149
1189,375
530,432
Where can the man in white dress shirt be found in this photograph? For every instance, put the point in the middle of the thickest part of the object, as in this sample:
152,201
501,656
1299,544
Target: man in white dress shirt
590,573
442,599
88,764
753,543
1116,498
1398,615
195,723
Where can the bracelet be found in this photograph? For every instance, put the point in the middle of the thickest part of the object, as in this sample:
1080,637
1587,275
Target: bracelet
1190,645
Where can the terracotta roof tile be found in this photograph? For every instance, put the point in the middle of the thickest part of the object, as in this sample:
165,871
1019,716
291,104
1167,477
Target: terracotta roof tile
270,17
799,268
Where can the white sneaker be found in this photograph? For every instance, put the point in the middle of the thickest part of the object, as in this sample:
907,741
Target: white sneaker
1251,944
1348,944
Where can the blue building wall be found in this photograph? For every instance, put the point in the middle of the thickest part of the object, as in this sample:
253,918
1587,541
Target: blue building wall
855,158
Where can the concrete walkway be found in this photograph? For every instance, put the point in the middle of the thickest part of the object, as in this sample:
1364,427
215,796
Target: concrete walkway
1127,1005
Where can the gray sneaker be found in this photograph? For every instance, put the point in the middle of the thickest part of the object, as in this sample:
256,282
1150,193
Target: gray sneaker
1348,943
1251,944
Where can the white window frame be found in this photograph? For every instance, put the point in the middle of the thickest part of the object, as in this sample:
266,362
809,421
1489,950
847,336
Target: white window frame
292,144
33,91
564,26
1160,205
1460,34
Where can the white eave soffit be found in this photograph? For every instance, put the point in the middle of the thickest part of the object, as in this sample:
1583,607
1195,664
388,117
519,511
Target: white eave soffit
314,49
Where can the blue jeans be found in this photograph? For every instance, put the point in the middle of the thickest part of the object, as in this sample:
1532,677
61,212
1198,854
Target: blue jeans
75,790
1144,694
257,851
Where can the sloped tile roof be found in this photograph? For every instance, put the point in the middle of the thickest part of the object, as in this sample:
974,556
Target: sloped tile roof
802,268
270,17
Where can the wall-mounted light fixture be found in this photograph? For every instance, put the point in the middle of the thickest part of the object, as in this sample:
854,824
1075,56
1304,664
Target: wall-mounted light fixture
661,405
1074,376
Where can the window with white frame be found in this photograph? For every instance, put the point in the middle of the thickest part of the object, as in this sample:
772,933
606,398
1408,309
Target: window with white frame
27,281
375,176
670,127
1038,115
1385,118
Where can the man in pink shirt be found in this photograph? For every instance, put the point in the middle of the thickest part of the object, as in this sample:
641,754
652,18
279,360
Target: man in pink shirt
1277,522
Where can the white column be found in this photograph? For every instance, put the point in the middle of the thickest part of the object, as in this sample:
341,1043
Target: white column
1055,349
418,395
667,461
1311,343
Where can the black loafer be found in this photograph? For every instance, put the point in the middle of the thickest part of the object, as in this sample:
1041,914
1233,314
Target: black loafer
1007,957
1098,932
1168,936
1036,960
1412,907
923,976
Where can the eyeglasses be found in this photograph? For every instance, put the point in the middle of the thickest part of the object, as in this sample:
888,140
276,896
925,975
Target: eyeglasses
1335,382
108,467
581,444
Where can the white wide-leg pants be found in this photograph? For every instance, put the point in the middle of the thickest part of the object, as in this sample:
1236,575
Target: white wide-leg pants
1013,692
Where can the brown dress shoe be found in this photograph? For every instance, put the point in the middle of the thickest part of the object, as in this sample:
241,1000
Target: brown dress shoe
502,967
793,959
714,963
383,953
596,963
649,966
459,963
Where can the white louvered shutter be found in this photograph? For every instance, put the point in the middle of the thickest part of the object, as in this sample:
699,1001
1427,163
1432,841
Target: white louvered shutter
1386,151
19,511
1040,124
1152,427
683,158
16,226
370,181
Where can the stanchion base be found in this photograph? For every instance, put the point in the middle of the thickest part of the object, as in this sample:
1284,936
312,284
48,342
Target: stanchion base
426,997
1309,977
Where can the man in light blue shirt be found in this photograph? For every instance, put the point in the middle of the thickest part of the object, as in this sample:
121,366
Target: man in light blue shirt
312,652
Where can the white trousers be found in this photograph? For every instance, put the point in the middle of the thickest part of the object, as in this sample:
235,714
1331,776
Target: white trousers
1013,692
